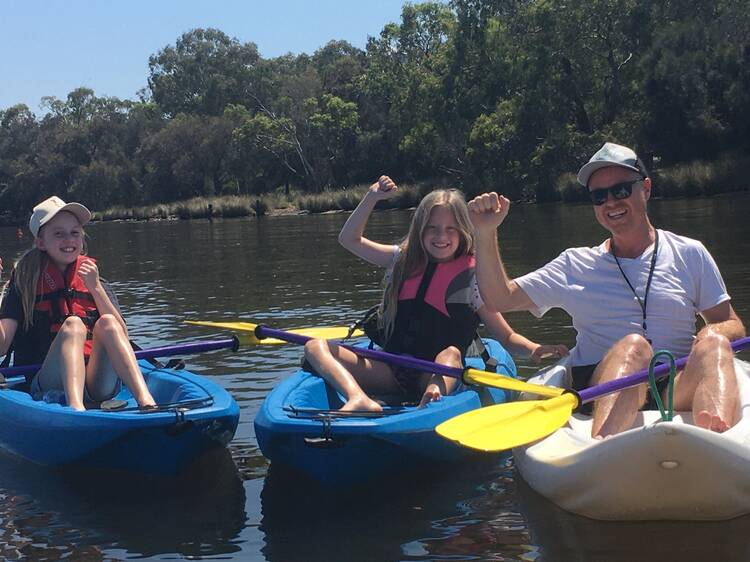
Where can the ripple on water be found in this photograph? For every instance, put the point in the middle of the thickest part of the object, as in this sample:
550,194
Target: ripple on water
290,272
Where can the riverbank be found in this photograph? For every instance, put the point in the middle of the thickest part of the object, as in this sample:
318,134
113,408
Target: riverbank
293,203
695,179
700,178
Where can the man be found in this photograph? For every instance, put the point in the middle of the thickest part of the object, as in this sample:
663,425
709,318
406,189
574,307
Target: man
638,291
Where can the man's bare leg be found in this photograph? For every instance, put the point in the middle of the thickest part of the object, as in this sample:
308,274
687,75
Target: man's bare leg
708,385
616,412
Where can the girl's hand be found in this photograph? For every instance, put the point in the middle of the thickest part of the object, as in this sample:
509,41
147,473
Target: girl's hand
431,394
89,273
547,351
488,211
384,188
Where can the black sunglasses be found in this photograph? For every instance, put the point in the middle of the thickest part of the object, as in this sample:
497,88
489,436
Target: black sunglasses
621,190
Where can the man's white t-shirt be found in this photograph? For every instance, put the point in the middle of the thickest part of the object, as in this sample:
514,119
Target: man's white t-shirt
588,285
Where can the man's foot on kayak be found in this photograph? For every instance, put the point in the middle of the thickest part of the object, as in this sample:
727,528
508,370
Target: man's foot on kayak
710,421
361,404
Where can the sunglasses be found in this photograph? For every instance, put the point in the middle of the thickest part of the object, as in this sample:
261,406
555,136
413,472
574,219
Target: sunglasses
621,190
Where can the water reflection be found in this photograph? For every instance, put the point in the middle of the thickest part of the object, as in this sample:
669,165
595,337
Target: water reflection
48,514
560,535
404,517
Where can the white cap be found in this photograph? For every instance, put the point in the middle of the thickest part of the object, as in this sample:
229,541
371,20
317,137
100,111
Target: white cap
47,209
611,154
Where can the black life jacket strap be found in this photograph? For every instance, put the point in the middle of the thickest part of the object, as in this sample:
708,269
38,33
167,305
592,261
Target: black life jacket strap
429,273
414,325
477,348
64,293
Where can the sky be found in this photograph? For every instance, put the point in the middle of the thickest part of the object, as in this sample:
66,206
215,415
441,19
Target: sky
49,48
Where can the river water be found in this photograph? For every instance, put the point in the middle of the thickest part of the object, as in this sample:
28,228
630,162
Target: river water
290,272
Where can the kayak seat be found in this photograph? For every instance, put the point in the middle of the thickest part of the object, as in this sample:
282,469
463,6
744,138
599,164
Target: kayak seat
170,388
313,392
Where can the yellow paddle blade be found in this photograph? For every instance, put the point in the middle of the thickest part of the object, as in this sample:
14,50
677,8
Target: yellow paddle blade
485,378
239,326
328,332
504,426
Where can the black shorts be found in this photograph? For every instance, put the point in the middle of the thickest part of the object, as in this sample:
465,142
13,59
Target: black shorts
582,379
410,381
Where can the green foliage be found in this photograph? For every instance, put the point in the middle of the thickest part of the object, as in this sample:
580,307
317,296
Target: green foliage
203,73
487,94
727,173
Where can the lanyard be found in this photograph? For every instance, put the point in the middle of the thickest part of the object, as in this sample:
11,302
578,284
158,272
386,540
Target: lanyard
642,303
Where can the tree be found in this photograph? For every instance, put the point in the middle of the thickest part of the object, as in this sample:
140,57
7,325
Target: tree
203,73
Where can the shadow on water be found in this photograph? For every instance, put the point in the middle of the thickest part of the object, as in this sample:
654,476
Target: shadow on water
429,516
52,514
563,536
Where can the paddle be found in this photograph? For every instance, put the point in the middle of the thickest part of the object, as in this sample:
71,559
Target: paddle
504,426
326,333
13,374
467,375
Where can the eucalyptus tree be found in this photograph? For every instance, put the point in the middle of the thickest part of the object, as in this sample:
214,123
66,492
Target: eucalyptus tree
18,133
202,73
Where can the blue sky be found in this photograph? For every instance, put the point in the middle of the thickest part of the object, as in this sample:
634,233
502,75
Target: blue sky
52,47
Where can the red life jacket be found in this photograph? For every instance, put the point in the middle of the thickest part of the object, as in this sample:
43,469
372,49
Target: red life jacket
60,296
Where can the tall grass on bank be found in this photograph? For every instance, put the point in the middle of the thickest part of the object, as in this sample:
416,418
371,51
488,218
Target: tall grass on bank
347,199
200,208
700,178
694,179
227,206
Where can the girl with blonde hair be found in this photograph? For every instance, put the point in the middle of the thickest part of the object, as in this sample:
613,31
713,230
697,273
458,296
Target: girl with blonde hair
58,312
430,309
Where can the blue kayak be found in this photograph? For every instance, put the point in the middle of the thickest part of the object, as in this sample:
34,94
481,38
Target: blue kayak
194,415
299,426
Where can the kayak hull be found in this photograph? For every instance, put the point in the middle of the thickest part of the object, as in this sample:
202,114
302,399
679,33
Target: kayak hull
196,415
298,426
655,471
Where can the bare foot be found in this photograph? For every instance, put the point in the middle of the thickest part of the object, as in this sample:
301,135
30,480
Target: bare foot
361,404
709,421
145,400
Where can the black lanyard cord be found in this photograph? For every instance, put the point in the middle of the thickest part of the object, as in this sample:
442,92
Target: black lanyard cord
643,302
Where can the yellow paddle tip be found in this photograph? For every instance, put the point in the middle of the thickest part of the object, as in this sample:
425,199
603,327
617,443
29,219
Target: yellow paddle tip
246,329
327,332
498,380
512,424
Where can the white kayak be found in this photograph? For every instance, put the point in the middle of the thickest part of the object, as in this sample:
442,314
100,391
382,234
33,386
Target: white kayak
656,470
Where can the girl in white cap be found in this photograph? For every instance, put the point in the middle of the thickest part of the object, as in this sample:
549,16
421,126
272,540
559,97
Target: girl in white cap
58,312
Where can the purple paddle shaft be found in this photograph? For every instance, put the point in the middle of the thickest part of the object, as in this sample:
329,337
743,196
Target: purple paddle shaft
400,360
594,392
164,351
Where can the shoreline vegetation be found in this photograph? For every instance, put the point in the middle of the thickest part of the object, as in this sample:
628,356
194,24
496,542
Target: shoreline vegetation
696,179
727,174
477,94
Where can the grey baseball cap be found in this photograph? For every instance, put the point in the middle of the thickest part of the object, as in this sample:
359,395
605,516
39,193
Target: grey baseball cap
47,209
611,154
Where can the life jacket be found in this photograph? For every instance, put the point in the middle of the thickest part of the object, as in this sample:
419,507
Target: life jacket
58,297
434,310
